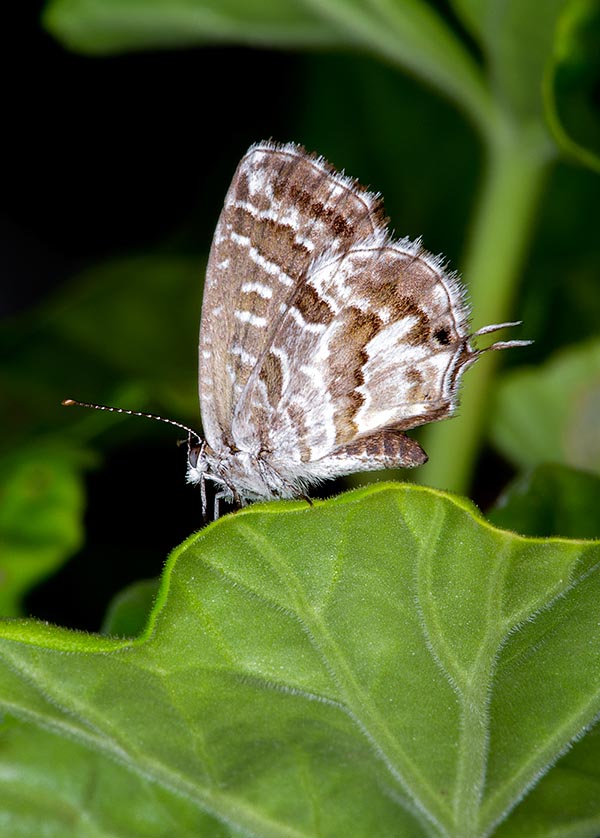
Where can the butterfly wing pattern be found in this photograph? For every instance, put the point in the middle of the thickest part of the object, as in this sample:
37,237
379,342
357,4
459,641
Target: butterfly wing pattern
322,339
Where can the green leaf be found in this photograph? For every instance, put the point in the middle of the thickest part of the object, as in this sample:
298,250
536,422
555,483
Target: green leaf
152,335
115,26
550,500
564,803
66,349
410,34
543,64
385,663
550,414
41,509
572,83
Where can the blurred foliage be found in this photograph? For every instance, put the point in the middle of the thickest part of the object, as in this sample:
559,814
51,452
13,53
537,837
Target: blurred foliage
550,413
97,339
572,83
41,508
550,500
121,321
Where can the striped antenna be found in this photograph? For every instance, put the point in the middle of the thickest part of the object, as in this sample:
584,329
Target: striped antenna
71,402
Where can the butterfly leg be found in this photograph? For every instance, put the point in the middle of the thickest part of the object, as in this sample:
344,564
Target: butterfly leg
203,497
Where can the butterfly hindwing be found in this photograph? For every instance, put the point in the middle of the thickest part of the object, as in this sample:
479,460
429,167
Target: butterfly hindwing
375,339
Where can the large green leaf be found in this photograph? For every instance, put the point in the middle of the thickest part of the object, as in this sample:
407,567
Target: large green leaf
385,663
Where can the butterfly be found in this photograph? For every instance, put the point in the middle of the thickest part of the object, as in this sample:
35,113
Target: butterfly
322,338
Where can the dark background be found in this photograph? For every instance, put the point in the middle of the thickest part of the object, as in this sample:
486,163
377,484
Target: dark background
105,157
113,154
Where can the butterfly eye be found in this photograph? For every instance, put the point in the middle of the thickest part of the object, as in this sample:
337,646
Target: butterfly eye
194,456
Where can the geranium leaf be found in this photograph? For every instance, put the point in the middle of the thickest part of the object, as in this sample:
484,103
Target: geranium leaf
383,663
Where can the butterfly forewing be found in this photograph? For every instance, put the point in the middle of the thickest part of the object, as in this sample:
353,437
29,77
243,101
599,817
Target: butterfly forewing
284,209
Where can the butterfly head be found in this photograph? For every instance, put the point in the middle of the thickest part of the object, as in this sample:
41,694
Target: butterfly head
198,463
205,464
202,461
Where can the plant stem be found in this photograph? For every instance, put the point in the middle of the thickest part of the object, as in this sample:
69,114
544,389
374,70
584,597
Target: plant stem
517,166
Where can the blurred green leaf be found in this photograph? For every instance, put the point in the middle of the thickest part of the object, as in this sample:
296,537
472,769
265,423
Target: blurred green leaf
128,612
41,510
300,675
115,26
138,316
551,500
550,413
572,83
126,328
411,34
544,64
559,299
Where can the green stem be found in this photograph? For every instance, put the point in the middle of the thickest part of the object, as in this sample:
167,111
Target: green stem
516,170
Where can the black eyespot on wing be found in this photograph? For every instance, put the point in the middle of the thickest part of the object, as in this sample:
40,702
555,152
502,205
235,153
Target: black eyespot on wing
442,336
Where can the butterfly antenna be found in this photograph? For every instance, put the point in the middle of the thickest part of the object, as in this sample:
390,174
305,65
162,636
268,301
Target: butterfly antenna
190,432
